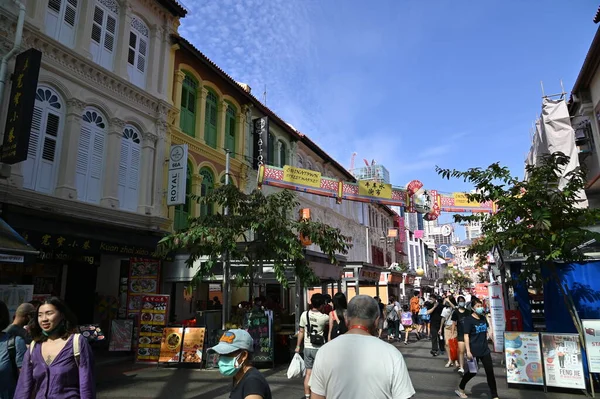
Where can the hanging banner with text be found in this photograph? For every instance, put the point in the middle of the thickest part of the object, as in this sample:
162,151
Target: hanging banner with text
498,323
176,189
592,343
563,361
523,358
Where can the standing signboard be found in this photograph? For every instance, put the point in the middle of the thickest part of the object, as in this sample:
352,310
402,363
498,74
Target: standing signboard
170,346
176,194
498,323
523,358
153,320
193,345
260,327
143,280
21,107
563,361
121,332
592,344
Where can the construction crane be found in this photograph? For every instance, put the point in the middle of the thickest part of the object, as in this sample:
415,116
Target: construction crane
352,161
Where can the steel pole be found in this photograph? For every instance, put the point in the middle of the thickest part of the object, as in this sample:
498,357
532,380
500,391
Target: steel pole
226,263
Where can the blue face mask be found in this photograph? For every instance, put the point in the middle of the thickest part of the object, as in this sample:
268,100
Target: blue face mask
461,304
479,311
228,366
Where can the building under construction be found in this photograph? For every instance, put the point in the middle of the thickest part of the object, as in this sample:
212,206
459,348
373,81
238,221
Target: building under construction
372,172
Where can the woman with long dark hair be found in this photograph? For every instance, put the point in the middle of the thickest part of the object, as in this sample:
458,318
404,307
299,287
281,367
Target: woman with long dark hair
459,317
59,364
476,335
337,318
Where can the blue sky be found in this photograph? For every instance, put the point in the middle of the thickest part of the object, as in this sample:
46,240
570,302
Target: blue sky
412,84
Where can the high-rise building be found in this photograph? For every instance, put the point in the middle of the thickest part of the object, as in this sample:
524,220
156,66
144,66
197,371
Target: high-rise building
373,172
473,230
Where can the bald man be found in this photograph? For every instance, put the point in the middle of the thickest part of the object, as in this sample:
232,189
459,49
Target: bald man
23,315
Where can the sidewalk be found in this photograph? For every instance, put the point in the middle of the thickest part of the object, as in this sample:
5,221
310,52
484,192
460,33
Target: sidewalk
430,379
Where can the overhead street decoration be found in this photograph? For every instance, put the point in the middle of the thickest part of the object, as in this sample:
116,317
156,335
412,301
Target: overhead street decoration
414,198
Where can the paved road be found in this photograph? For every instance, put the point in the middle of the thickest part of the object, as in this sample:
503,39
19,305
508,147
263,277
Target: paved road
430,379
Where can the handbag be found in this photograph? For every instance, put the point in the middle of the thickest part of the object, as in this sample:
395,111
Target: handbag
314,338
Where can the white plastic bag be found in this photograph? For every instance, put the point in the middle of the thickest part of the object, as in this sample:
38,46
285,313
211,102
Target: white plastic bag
297,368
472,365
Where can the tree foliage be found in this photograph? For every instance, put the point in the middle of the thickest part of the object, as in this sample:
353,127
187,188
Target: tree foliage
258,228
458,279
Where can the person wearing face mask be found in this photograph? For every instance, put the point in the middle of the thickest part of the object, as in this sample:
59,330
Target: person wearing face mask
235,350
459,317
358,365
476,335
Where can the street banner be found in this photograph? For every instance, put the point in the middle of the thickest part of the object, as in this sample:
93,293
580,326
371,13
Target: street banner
153,320
170,345
121,332
592,344
563,361
193,345
498,322
523,358
304,177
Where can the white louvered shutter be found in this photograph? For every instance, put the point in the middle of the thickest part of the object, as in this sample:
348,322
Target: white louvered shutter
83,161
47,160
123,167
94,189
138,53
133,177
69,19
52,19
102,44
29,165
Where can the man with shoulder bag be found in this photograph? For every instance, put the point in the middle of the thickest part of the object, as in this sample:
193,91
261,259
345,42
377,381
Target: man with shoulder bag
311,333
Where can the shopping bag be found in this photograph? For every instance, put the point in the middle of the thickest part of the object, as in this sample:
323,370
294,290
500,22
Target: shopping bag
453,346
297,368
472,365
385,324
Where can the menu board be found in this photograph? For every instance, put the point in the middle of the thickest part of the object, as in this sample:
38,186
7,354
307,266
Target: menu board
523,358
498,321
92,332
120,335
592,344
193,344
563,361
143,280
170,346
259,325
153,320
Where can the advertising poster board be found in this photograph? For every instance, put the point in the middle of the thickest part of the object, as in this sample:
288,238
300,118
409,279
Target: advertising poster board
260,326
193,345
523,358
170,346
212,338
153,320
121,332
143,280
498,323
14,295
592,344
563,361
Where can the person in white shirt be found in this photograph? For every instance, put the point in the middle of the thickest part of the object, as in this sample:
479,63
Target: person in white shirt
380,373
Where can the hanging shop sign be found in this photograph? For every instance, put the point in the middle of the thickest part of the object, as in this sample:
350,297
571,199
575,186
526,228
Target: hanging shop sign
592,344
261,137
369,275
413,198
21,107
303,177
523,358
563,361
176,194
498,324
8,258
153,320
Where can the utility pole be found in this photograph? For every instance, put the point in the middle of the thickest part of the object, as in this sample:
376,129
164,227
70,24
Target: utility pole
226,263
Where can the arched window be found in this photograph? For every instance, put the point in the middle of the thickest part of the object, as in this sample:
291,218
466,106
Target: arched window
282,154
208,184
138,52
300,162
309,165
40,168
104,29
61,19
230,129
90,156
129,168
182,212
188,105
271,150
210,122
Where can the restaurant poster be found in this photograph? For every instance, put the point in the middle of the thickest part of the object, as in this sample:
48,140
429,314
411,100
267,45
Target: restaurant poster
563,361
153,320
592,344
523,358
497,315
170,347
193,345
121,332
143,280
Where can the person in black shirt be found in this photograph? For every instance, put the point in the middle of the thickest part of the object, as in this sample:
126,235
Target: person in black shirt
476,334
459,317
435,313
235,360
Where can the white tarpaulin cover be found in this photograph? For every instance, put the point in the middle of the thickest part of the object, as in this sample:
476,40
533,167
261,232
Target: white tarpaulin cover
553,133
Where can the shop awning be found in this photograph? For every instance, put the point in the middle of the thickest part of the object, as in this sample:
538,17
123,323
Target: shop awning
13,247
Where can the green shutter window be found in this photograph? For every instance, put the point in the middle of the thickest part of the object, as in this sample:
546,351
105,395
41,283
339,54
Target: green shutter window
210,124
208,183
230,130
182,212
282,155
188,106
271,150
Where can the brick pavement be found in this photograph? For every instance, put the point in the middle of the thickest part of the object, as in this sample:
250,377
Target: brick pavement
430,379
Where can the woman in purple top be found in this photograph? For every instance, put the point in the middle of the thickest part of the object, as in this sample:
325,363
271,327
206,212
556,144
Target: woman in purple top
52,369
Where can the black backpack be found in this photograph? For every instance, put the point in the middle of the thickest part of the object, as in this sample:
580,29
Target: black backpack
12,353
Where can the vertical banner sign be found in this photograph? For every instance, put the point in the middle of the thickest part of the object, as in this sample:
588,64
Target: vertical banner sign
497,315
523,358
176,194
563,361
20,107
260,130
153,320
592,344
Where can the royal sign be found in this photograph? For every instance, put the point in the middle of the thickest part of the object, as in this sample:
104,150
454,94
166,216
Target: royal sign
176,189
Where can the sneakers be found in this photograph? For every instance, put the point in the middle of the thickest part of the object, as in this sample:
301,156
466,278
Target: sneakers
461,371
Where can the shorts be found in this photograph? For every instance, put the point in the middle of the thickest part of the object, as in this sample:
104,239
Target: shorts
309,357
416,319
460,336
380,324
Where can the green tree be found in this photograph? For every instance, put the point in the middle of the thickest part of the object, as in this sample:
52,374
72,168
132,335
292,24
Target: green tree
539,217
482,276
258,229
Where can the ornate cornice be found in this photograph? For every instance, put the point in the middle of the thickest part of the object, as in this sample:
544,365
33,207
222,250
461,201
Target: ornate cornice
75,106
149,137
116,125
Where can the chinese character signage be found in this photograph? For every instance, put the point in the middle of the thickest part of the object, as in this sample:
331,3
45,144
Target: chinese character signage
259,326
563,361
176,194
153,320
261,137
20,107
374,189
523,358
592,343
